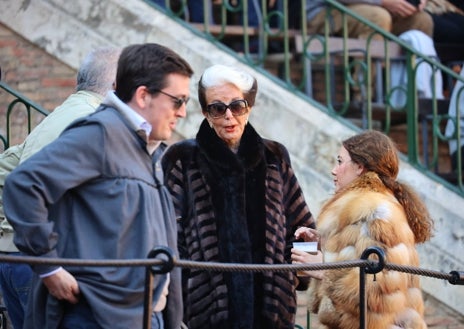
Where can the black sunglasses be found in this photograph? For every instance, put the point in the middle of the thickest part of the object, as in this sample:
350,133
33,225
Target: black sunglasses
177,101
217,110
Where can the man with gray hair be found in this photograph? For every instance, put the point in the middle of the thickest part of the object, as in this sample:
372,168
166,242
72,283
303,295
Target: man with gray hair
96,76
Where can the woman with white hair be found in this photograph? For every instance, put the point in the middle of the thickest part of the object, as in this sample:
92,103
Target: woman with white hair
238,201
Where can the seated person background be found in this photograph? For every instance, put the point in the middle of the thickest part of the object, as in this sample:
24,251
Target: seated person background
395,16
448,20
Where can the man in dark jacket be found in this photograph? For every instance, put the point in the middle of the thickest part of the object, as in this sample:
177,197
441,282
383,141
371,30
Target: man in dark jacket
95,77
97,192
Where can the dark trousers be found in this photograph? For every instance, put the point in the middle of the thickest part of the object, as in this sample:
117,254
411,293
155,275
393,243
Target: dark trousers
80,316
448,28
454,159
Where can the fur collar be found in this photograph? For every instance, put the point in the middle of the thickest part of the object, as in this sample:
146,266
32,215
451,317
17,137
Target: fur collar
250,151
369,181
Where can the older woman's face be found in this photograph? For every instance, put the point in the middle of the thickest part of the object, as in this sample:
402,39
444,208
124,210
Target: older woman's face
228,127
345,170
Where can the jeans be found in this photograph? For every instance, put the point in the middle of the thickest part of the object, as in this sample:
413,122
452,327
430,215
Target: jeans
15,284
80,316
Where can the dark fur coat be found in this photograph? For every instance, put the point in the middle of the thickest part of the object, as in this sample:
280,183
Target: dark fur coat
236,208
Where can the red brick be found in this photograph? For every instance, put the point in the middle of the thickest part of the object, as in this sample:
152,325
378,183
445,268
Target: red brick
35,74
58,82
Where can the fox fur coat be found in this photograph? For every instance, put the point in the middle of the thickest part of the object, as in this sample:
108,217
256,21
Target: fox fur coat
362,215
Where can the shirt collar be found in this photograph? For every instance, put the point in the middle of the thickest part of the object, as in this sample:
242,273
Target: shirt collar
135,120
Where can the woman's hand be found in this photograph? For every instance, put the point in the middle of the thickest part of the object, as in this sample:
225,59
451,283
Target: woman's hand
307,234
302,257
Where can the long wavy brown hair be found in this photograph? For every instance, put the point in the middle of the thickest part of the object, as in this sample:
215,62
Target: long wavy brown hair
377,152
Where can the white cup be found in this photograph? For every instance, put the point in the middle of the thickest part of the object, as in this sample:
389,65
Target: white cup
309,247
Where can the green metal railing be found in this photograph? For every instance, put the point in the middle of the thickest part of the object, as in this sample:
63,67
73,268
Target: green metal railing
299,70
324,77
17,103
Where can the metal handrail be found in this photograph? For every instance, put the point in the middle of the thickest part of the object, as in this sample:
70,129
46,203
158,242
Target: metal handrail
19,102
164,264
281,32
291,62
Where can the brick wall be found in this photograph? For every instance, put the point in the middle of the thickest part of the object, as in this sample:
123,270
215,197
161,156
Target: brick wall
33,73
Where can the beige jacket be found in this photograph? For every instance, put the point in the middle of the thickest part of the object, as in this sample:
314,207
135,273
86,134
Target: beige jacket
75,106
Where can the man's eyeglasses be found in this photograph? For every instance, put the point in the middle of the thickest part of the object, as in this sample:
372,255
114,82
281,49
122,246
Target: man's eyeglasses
218,110
177,101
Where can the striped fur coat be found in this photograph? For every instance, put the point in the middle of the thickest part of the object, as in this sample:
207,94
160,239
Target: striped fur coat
366,214
236,208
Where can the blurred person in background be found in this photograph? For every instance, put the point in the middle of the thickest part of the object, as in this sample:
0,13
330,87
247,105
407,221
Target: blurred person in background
96,192
95,77
448,20
395,16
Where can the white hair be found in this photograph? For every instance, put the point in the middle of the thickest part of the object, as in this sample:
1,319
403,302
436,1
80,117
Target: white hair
218,74
97,72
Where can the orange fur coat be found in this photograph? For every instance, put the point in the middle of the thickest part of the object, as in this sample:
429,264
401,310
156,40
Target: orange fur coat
367,214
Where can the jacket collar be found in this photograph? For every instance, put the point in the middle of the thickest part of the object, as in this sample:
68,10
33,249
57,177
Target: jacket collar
250,151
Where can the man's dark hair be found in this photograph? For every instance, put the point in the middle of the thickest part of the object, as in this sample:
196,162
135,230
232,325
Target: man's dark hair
147,65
